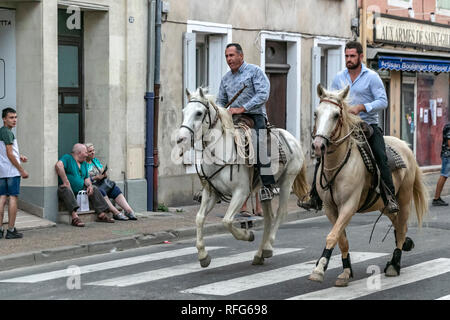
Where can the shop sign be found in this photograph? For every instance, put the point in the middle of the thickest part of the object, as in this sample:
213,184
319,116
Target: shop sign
415,34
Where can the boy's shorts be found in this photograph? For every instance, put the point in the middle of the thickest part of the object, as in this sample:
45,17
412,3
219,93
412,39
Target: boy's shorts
10,186
445,170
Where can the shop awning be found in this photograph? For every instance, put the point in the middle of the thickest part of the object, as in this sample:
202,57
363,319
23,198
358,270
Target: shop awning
413,64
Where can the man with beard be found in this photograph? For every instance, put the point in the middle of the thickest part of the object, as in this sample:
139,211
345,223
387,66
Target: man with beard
367,98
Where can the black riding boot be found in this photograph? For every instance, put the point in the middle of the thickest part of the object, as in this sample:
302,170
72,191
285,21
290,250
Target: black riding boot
376,142
314,201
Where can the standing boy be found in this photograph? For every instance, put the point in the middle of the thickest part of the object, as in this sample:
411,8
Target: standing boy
10,172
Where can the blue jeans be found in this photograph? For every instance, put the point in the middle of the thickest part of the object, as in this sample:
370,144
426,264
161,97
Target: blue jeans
445,170
260,124
10,186
113,193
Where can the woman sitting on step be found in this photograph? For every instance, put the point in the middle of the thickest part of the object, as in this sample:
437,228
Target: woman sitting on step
107,187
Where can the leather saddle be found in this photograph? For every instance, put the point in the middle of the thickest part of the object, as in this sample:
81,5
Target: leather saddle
244,122
395,161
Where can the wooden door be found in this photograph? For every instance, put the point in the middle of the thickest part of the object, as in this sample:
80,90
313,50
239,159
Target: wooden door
276,106
277,70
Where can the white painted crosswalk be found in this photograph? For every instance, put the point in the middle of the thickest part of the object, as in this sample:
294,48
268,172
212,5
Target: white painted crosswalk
210,281
107,265
179,270
227,287
363,288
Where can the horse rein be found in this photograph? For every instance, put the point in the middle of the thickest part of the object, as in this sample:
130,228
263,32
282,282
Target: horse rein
212,124
329,182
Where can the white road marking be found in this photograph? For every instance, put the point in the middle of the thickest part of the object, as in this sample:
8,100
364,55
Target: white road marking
361,288
183,269
227,287
106,265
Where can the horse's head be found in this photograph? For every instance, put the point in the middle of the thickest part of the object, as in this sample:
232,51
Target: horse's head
327,117
196,118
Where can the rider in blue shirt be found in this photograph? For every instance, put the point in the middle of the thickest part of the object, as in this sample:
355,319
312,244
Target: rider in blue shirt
367,97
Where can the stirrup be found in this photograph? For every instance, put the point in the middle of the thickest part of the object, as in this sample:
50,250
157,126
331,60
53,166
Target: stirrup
265,193
198,196
311,203
392,206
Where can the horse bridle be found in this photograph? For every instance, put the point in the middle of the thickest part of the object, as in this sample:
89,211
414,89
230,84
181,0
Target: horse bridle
208,112
335,131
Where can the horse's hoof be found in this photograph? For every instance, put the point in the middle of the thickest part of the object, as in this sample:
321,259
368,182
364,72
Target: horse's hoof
342,282
251,237
315,276
258,261
408,245
392,270
206,261
267,253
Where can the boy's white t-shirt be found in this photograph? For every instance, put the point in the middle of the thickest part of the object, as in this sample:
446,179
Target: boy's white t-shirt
7,169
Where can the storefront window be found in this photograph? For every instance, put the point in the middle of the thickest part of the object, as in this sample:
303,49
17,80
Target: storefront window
432,114
408,111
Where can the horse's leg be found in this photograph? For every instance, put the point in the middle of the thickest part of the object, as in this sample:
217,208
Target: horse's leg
402,242
263,252
285,188
343,218
344,278
237,200
209,199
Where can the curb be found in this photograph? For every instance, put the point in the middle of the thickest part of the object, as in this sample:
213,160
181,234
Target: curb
141,240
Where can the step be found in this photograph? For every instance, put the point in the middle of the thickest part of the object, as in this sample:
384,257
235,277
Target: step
26,221
85,216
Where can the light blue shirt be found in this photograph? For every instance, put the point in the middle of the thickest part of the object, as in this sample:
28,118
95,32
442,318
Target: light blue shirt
367,89
254,97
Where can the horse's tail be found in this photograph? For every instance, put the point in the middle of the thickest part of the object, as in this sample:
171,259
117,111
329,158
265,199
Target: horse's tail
420,195
301,186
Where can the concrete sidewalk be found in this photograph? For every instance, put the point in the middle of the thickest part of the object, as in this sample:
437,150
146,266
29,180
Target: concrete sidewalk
45,241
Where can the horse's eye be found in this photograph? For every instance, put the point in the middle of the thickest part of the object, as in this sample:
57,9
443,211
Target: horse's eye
315,114
198,114
336,116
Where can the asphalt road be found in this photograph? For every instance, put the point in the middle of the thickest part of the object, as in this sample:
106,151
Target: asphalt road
171,271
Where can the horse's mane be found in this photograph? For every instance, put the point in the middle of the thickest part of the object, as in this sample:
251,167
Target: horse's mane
347,117
225,118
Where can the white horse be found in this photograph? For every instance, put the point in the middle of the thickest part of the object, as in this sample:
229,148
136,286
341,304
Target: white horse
223,175
343,164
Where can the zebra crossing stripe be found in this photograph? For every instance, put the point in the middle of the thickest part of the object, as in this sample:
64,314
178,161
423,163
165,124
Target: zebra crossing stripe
62,273
447,297
372,285
163,273
260,279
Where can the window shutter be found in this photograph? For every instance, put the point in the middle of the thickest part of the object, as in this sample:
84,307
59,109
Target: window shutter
334,61
315,79
216,56
189,62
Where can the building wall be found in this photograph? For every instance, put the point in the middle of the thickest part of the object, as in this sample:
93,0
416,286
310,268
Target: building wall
248,20
410,117
115,65
422,9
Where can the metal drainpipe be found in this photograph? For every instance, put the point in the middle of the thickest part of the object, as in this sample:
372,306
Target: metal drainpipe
157,87
150,107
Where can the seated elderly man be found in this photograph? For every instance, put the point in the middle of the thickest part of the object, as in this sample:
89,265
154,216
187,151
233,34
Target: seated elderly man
72,177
